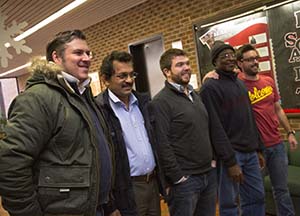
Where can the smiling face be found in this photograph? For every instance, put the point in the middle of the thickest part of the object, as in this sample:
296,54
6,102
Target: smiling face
249,63
180,71
76,59
226,60
122,80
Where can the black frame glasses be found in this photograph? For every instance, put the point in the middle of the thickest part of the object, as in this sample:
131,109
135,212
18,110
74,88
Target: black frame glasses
251,59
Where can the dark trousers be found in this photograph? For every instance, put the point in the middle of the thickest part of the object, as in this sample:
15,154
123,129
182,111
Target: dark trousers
277,165
246,198
99,212
147,197
194,197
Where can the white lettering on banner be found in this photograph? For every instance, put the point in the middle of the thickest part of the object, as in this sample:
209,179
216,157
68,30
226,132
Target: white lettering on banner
297,17
297,72
292,41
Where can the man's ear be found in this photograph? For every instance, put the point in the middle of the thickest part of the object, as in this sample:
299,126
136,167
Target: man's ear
56,58
104,80
240,64
165,72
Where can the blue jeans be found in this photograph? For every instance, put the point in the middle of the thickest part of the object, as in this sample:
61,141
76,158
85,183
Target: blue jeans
242,199
195,196
99,212
277,167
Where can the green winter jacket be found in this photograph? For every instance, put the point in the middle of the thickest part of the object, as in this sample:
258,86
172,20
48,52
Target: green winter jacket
49,155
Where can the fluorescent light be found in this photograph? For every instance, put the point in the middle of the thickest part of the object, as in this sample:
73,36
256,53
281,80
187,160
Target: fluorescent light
15,69
18,68
49,19
263,8
233,17
278,4
40,25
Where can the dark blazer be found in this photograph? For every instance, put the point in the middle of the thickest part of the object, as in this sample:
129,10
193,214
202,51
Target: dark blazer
122,191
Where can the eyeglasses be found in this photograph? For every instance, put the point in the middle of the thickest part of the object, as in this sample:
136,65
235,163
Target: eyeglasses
228,55
124,75
251,59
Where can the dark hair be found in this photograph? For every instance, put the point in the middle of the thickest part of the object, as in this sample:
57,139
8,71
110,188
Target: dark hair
58,43
166,58
243,49
107,68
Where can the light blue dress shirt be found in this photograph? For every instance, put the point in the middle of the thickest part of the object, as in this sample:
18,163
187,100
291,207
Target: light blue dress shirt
139,151
180,88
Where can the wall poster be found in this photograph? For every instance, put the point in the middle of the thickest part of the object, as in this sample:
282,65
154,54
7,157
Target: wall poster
276,35
8,91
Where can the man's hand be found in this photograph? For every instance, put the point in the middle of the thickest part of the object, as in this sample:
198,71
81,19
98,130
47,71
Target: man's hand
236,174
116,213
183,179
293,142
261,159
211,74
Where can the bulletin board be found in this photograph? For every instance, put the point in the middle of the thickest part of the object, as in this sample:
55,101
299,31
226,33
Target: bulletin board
274,32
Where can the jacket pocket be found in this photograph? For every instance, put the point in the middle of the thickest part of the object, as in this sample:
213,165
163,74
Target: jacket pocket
64,190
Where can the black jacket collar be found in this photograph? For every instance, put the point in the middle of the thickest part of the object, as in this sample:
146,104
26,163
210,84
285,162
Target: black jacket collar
228,74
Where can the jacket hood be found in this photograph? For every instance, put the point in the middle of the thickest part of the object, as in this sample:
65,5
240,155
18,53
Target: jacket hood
42,71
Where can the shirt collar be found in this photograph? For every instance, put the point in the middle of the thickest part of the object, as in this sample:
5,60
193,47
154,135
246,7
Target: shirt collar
180,88
115,99
71,79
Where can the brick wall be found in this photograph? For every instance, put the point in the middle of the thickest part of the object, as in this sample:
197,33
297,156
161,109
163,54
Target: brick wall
172,19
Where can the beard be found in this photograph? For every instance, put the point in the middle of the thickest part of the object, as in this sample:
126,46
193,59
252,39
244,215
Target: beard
177,78
253,70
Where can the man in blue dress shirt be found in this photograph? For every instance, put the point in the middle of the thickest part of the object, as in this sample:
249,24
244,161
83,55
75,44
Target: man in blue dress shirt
136,189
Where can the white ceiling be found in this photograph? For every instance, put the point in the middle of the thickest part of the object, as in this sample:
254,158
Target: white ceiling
34,11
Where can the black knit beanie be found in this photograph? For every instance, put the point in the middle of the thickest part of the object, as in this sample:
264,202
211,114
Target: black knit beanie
217,48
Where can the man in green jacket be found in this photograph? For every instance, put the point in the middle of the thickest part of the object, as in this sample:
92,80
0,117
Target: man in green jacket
55,156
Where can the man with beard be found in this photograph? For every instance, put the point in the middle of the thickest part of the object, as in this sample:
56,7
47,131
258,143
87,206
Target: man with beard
234,136
136,185
185,151
268,113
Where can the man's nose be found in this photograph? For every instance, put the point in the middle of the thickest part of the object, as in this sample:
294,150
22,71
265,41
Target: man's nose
87,56
129,78
186,67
